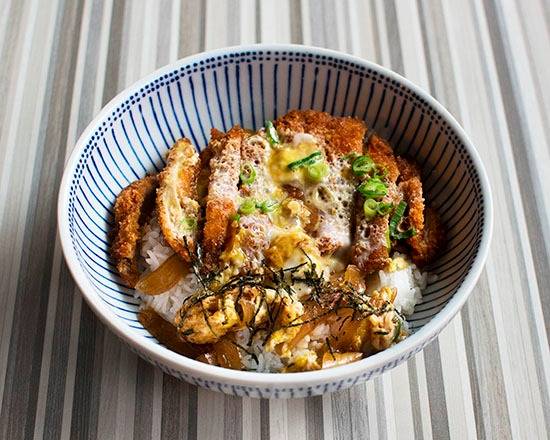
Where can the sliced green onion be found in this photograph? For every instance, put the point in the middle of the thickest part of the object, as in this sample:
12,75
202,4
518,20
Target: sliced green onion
248,174
317,171
248,206
271,133
267,206
351,156
369,208
236,217
305,161
363,165
189,223
373,188
372,208
411,232
383,208
396,219
381,172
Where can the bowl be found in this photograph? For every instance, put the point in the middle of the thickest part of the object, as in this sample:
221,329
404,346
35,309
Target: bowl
246,86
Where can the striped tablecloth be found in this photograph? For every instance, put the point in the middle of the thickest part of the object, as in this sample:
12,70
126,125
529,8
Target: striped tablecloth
63,375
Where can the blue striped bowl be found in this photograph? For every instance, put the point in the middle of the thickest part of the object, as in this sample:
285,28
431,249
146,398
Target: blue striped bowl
246,86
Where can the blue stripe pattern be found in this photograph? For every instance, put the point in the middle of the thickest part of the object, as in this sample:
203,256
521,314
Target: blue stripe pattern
228,89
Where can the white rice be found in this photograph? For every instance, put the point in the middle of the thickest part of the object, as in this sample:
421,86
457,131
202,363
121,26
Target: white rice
155,251
409,281
256,358
407,278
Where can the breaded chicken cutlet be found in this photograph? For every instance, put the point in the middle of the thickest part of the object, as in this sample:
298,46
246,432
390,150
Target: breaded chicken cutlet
178,211
133,206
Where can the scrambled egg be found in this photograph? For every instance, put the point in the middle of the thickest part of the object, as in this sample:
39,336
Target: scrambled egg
289,249
385,328
222,317
281,157
397,263
304,360
289,313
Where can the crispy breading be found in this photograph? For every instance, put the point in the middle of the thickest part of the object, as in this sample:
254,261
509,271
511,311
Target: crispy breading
327,245
221,202
412,194
342,135
178,210
407,168
430,237
133,206
382,155
428,244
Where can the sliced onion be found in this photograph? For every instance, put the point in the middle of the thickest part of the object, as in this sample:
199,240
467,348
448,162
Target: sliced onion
166,276
334,359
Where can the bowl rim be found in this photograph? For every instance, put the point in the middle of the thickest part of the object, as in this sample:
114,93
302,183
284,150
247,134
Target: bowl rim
196,369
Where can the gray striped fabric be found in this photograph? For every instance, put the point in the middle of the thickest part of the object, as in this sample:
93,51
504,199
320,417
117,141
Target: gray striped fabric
62,375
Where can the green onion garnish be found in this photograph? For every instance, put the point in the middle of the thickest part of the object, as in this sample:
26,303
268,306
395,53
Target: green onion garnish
369,208
248,206
381,172
317,171
271,133
351,156
396,219
363,165
248,174
267,206
373,188
306,161
236,217
383,208
411,232
189,223
372,208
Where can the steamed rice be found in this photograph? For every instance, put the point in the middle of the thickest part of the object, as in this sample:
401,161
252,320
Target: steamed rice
402,274
155,251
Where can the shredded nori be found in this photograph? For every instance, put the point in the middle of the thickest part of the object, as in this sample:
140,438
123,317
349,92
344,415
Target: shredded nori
330,296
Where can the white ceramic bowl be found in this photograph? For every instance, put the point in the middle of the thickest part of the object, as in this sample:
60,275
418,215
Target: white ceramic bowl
246,86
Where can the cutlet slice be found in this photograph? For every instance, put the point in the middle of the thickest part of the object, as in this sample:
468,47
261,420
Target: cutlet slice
412,194
370,250
332,200
426,245
371,246
430,236
383,156
340,135
133,207
407,169
223,192
178,211
410,187
253,231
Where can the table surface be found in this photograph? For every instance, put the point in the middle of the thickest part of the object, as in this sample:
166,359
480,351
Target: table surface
62,374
